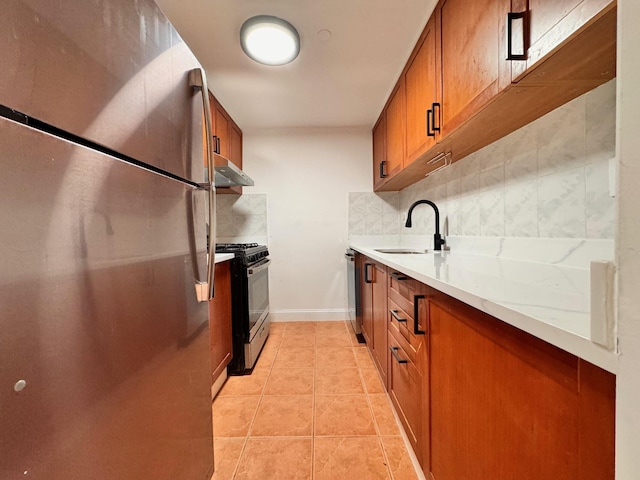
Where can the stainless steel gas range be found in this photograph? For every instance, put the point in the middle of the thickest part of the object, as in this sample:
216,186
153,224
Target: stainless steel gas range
249,303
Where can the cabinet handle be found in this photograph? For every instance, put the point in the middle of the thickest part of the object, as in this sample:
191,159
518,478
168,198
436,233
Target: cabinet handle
399,276
394,314
383,169
216,144
366,273
511,16
434,116
394,352
430,132
416,312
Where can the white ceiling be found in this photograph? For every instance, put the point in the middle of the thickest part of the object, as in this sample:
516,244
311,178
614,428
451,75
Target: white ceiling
344,81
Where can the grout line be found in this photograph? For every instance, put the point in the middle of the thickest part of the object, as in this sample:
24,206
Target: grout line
359,365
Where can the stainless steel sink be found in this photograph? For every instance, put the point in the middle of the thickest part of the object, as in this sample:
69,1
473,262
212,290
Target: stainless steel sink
402,251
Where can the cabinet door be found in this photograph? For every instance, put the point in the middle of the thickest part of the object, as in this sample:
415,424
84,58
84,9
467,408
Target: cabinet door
405,390
473,67
550,23
220,321
380,318
235,144
420,87
221,129
380,164
396,130
367,301
507,405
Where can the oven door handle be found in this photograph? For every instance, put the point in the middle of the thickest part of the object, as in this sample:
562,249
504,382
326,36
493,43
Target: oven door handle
259,268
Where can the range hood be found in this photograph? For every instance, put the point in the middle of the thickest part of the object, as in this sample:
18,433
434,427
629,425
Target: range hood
228,174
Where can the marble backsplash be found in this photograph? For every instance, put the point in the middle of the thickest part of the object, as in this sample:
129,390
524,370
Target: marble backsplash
241,218
550,179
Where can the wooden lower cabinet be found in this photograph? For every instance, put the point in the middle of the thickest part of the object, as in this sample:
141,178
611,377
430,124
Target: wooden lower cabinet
220,321
409,359
480,399
407,389
374,312
505,405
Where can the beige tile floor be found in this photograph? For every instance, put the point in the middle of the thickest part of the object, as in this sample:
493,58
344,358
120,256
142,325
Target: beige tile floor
313,408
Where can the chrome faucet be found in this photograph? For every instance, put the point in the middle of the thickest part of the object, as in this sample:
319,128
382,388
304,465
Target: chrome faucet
438,241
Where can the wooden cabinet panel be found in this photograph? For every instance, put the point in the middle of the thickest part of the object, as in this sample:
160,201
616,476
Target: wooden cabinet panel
220,321
396,128
228,138
507,405
374,312
552,22
380,166
570,48
405,390
471,64
235,144
367,300
409,383
380,315
421,93
221,129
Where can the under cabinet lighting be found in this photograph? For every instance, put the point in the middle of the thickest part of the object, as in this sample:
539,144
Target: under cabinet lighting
269,40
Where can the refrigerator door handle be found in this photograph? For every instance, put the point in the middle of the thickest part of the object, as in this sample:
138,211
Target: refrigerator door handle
198,81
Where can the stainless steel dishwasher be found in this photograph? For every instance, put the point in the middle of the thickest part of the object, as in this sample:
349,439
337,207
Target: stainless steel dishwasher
353,293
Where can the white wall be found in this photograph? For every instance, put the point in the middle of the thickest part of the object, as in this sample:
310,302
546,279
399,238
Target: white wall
628,243
307,175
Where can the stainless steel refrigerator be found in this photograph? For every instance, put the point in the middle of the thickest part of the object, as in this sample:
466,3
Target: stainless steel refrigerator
105,215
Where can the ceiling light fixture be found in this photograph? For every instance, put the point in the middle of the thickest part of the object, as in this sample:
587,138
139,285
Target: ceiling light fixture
269,40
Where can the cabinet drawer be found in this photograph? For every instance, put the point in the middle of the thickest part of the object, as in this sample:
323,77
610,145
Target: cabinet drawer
405,389
410,342
402,289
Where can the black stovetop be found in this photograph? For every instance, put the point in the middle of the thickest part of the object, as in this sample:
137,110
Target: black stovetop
248,252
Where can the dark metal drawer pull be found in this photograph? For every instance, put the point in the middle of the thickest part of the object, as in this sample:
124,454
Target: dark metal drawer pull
523,18
383,169
367,279
399,276
416,312
435,115
430,132
394,352
394,314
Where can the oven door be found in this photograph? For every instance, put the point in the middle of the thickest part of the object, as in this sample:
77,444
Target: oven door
258,289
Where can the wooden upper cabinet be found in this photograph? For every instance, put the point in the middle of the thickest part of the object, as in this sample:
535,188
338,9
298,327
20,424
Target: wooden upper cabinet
228,139
547,24
421,94
472,63
468,69
380,151
235,144
221,130
396,129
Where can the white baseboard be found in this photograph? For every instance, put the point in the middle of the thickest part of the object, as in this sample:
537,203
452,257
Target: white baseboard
308,315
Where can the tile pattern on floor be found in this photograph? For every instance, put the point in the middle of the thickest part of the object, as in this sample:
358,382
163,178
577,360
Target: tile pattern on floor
314,408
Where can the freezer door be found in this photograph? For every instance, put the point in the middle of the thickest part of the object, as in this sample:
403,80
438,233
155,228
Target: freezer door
111,71
104,358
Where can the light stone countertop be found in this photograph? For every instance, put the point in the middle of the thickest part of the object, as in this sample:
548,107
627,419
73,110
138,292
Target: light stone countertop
223,257
549,301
